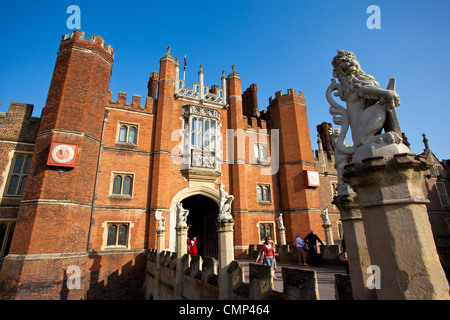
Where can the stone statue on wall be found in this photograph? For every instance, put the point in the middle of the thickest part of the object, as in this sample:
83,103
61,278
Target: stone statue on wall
369,110
280,221
161,221
181,215
324,216
225,201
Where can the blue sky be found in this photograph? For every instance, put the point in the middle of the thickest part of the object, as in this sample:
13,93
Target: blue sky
276,44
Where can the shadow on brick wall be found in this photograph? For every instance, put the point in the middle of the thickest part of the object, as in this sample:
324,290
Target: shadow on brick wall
108,280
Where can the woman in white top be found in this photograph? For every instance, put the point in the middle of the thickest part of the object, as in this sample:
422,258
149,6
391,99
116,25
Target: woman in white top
301,252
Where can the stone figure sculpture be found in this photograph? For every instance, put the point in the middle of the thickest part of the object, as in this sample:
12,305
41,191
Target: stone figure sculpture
340,161
181,215
280,221
369,110
161,221
324,216
224,204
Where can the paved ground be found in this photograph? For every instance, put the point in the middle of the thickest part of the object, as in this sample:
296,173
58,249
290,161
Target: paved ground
325,276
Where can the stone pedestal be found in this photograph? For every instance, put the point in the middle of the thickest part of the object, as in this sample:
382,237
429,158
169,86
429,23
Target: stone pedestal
226,256
282,232
328,234
160,240
397,227
159,248
181,249
356,246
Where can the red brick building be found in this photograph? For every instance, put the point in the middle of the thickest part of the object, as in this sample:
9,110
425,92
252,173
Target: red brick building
96,170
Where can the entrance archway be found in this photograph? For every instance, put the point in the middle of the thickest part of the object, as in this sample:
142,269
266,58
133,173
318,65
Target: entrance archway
201,220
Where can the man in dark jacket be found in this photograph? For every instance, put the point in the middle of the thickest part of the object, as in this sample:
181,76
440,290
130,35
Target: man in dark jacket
311,240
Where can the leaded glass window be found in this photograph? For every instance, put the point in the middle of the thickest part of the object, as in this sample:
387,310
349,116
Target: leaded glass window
117,234
18,175
127,133
122,184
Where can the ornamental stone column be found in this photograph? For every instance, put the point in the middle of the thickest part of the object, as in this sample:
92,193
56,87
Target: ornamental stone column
225,230
181,247
397,227
160,236
281,229
226,256
355,242
327,228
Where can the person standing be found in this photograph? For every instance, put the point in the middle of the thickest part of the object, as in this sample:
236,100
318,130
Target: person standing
301,251
267,254
311,240
193,247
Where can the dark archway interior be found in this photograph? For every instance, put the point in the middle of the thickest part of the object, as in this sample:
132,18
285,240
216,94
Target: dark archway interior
201,220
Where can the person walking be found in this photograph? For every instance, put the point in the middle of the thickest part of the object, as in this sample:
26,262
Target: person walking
267,255
301,251
311,240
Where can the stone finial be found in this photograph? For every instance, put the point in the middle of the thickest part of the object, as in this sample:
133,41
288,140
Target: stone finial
233,73
425,142
168,56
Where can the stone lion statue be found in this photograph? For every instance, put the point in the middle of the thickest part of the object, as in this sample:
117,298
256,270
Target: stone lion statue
181,215
370,109
224,204
161,220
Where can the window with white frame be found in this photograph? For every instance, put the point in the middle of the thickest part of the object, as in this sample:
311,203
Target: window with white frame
443,194
200,136
127,133
17,178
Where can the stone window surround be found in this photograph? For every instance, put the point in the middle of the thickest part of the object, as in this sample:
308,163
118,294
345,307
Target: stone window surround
105,226
273,229
10,168
123,175
129,125
262,200
203,113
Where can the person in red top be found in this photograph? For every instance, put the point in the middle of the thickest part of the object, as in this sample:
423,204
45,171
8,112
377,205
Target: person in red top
193,246
267,254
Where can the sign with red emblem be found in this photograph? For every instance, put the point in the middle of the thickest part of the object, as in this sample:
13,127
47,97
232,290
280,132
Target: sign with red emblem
62,154
312,179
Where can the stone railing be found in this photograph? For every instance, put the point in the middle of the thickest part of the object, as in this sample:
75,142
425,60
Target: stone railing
197,278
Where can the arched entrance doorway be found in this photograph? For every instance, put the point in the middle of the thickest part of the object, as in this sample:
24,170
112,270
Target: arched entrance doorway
201,220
